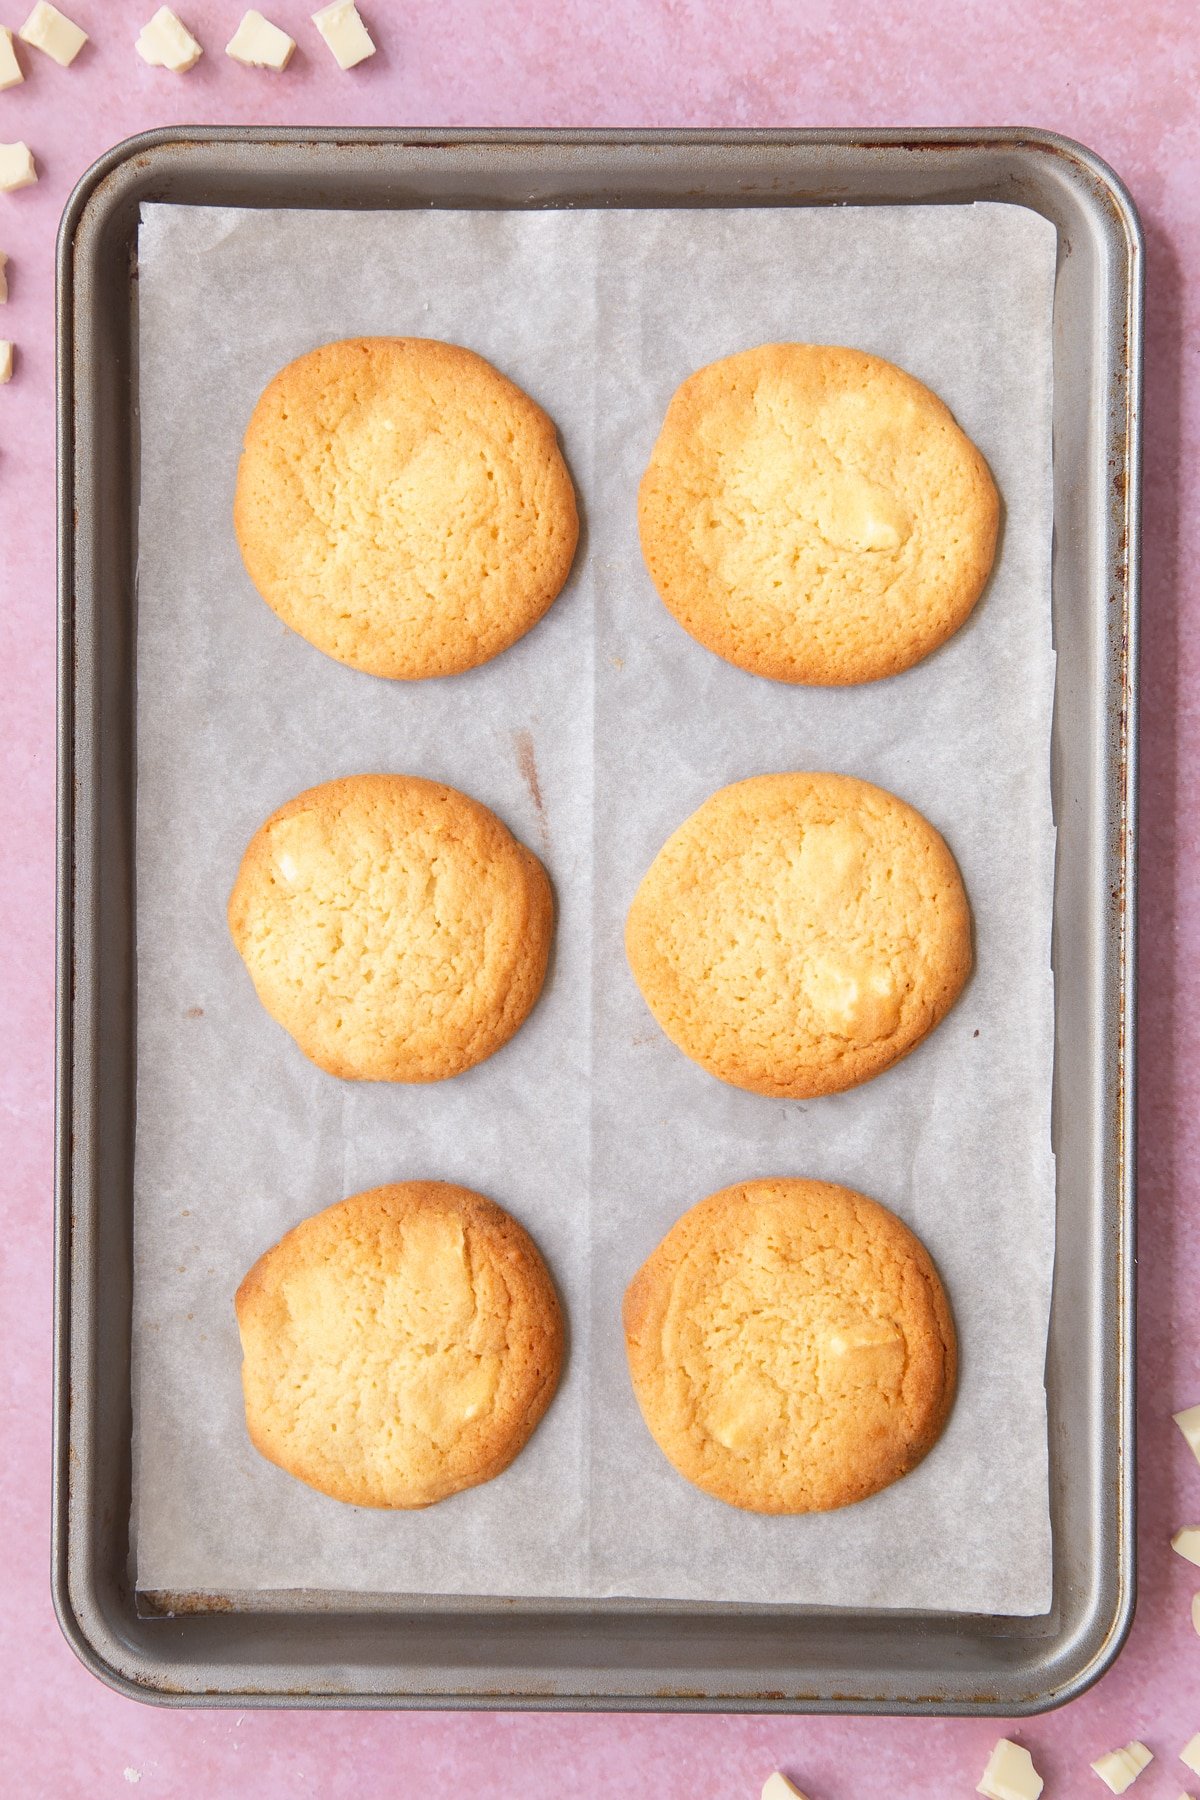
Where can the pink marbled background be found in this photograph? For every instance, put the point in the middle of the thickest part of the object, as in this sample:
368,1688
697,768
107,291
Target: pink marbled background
1122,77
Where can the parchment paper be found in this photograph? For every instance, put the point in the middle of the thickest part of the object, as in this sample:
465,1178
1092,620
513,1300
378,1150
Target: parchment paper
592,739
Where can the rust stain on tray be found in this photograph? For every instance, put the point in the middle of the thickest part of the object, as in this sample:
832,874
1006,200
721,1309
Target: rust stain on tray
170,1603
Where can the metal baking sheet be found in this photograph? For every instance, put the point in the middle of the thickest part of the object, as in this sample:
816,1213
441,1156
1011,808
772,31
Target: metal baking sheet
339,1648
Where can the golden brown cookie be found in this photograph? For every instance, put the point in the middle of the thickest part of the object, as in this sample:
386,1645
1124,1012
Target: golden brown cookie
399,1346
393,926
403,505
791,1346
800,933
815,514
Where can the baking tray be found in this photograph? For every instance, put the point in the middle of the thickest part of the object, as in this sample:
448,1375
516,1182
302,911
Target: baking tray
344,1649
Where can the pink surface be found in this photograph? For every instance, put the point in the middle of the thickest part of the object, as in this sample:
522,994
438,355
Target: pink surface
1123,78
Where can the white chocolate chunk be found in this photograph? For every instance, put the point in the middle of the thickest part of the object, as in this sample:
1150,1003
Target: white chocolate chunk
778,1787
10,69
1190,1754
344,32
1187,1543
259,44
1010,1774
3,278
1119,1769
49,30
17,167
166,43
1189,1423
6,360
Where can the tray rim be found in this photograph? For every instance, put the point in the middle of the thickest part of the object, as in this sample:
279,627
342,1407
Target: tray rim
81,1617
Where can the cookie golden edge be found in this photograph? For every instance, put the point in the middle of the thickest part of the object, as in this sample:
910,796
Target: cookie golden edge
648,1295
521,996
545,1346
850,1071
692,608
303,374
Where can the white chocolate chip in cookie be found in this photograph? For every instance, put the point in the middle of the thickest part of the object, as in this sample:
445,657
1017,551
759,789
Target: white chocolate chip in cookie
856,514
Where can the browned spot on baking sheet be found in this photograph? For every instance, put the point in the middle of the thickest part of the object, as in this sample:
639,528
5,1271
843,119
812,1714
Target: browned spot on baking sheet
194,1012
527,763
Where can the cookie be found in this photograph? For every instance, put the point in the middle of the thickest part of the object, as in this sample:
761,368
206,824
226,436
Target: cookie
403,506
791,1346
815,515
399,1346
393,926
800,933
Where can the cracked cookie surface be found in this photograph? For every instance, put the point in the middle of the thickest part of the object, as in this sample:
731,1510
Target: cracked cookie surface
399,1346
814,514
791,1346
403,505
800,933
393,926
